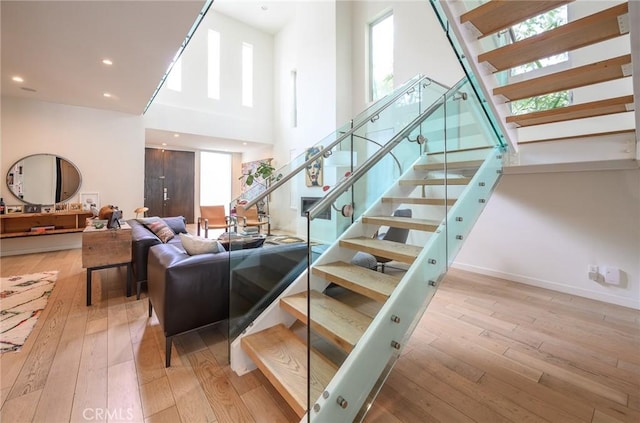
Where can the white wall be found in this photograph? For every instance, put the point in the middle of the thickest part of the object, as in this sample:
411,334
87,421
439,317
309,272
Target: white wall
545,229
107,147
308,46
420,45
192,111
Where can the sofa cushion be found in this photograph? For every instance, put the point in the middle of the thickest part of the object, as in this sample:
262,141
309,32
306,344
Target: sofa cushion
159,228
194,245
177,224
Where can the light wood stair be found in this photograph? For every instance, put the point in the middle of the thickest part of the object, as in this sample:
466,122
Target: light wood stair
375,285
403,222
578,111
589,30
467,164
420,201
593,73
404,253
435,181
282,358
334,320
494,16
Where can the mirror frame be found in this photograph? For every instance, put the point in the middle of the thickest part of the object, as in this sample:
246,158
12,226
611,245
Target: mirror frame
17,195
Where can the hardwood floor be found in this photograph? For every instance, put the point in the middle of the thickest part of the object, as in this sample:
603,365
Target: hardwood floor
487,350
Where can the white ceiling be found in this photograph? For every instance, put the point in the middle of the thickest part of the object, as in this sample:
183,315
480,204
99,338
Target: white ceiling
57,47
268,15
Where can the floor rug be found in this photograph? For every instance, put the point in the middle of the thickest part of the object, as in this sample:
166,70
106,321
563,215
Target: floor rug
22,299
284,240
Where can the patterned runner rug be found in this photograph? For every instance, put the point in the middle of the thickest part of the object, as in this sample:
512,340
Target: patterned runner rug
22,299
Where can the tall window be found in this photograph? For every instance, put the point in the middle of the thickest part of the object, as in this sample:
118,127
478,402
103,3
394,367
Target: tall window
247,74
174,79
215,179
213,64
381,56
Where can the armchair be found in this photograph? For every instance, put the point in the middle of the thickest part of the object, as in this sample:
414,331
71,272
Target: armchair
213,217
250,218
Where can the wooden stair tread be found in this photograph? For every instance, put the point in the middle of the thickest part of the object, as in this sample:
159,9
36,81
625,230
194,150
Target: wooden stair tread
404,253
589,30
425,225
282,358
337,322
578,111
435,181
593,73
375,285
419,200
469,164
494,16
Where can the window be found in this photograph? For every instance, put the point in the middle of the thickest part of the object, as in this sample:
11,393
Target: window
174,79
381,57
247,74
215,179
213,64
537,25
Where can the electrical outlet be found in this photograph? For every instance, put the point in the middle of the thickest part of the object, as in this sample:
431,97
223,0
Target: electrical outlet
593,272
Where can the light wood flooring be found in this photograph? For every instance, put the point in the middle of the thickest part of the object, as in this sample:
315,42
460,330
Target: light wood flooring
488,350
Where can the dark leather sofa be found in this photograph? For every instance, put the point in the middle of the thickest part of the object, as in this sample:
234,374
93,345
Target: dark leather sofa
189,292
143,239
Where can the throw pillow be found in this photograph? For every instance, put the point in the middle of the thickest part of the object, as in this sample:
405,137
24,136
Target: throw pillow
177,224
159,228
194,245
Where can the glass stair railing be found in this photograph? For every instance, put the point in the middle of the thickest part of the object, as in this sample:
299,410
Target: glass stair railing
357,318
257,278
330,339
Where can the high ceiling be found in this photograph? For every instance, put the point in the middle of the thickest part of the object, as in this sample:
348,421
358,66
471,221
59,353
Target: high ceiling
57,47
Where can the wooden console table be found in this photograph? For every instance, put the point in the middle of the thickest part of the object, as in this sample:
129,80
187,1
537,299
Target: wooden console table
15,225
103,248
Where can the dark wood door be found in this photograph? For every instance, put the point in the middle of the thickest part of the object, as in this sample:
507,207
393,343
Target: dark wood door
179,183
169,183
154,181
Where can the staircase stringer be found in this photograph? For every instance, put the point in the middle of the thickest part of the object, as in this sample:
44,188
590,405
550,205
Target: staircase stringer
486,80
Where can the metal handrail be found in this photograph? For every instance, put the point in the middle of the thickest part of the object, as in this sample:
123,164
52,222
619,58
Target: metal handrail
347,182
316,156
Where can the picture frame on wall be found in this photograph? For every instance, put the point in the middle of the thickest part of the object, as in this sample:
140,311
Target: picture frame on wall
14,209
314,172
32,208
90,199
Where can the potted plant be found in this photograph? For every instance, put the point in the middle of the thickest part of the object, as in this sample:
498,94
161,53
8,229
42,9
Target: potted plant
263,174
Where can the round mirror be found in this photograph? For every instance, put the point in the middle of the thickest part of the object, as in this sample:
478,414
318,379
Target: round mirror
43,179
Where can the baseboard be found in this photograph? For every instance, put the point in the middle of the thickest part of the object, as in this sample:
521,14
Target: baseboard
599,296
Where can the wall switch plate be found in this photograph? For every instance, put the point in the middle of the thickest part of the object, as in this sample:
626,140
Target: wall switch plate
611,275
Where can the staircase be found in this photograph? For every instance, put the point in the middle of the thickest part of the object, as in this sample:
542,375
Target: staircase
600,123
281,354
330,339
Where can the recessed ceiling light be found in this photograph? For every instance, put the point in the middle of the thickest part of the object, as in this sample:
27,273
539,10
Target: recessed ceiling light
264,7
164,144
244,143
108,95
176,135
107,62
17,79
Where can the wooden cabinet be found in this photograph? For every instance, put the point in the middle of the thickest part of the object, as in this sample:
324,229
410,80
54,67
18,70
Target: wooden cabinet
37,224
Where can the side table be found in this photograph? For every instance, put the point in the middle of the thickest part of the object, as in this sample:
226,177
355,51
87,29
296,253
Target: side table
103,248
